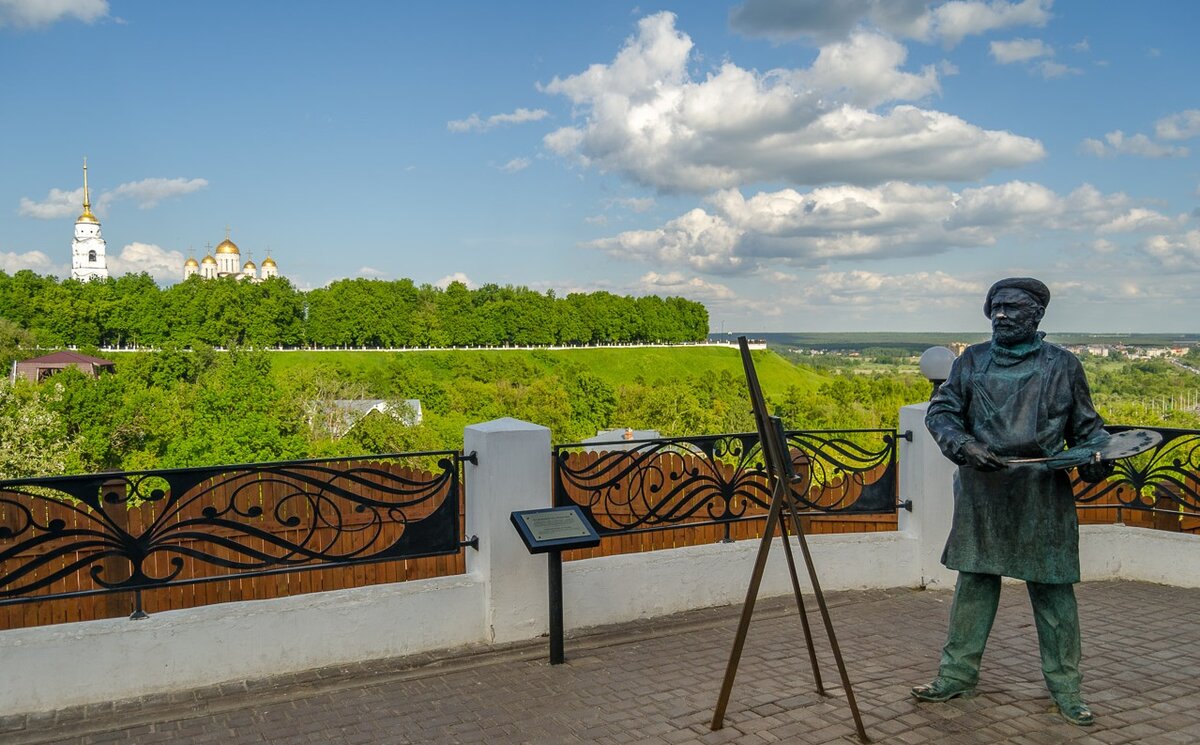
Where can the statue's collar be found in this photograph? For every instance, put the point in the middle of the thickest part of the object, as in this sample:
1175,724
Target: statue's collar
1005,356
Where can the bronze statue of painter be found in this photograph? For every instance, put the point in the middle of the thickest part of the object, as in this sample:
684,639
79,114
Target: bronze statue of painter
1014,397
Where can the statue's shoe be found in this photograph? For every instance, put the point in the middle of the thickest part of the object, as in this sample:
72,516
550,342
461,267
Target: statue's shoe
942,689
1073,709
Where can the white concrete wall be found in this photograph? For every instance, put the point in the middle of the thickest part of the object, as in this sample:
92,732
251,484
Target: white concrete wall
612,589
1140,554
51,667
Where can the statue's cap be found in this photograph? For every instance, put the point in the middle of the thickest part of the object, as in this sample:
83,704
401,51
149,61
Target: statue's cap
1035,288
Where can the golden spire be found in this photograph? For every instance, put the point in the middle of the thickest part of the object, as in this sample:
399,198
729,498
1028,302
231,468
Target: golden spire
87,215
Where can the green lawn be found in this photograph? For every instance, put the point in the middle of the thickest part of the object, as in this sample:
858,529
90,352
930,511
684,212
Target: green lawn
614,366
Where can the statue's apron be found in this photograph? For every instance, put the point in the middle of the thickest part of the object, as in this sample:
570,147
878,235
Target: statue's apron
1019,521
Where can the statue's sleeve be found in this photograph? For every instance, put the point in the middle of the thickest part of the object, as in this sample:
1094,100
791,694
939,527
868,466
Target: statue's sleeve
946,416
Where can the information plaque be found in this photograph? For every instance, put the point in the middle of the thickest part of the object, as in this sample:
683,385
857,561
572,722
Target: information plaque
555,529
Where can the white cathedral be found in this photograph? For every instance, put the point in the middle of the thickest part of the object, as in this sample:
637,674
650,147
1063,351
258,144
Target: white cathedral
228,263
88,259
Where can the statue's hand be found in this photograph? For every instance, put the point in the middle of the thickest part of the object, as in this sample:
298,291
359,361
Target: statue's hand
1092,473
978,456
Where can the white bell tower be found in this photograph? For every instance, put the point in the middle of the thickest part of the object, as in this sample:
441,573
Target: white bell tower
88,260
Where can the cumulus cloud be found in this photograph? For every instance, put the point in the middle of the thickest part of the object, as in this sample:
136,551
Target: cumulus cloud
896,291
1118,143
1033,51
158,262
634,204
446,281
514,165
371,272
474,123
1019,50
57,204
947,22
145,194
35,261
149,192
643,116
1182,126
734,234
41,13
1175,252
675,283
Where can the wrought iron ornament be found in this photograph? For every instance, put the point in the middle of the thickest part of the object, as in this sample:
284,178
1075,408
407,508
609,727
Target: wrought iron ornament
205,524
686,481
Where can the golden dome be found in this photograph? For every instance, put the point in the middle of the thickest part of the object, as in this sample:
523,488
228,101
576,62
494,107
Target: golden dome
249,265
87,216
268,262
190,262
208,260
227,247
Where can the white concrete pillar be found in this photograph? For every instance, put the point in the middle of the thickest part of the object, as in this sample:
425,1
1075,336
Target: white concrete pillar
927,478
513,474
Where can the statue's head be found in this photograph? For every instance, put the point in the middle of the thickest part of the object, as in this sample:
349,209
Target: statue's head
1016,306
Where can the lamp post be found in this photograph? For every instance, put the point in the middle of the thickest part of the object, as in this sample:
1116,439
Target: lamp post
935,366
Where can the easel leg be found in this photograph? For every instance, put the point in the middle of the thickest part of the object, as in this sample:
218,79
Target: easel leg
739,640
808,639
837,652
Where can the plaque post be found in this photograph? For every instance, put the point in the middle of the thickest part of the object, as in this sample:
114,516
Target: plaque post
552,531
554,559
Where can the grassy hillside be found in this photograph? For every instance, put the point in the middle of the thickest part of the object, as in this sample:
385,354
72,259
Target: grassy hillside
614,366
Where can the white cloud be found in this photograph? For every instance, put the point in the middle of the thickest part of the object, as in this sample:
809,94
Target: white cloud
445,282
1019,50
734,234
1031,50
644,117
1182,126
957,19
371,272
635,204
39,13
1050,69
1136,219
894,291
947,22
1082,45
35,261
159,263
675,283
57,204
474,123
146,193
514,165
1118,143
149,192
1175,252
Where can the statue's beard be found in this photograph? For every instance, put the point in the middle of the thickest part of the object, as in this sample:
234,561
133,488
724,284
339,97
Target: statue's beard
1011,333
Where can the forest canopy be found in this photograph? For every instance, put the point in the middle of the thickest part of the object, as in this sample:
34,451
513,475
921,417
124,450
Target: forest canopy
133,311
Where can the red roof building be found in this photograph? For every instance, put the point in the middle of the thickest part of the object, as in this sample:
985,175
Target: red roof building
40,368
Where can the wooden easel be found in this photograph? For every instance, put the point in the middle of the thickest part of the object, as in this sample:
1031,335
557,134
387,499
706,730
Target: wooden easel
781,475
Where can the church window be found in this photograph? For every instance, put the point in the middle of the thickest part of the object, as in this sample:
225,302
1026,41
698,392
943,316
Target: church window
91,255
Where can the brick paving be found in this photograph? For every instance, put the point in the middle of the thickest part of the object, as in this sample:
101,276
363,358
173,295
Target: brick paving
656,682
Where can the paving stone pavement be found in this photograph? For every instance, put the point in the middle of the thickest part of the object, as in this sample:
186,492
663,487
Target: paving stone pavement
656,682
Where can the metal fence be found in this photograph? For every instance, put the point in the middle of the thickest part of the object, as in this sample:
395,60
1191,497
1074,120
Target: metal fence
641,486
1164,481
75,536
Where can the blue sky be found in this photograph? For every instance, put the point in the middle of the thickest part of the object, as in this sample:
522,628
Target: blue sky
801,165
